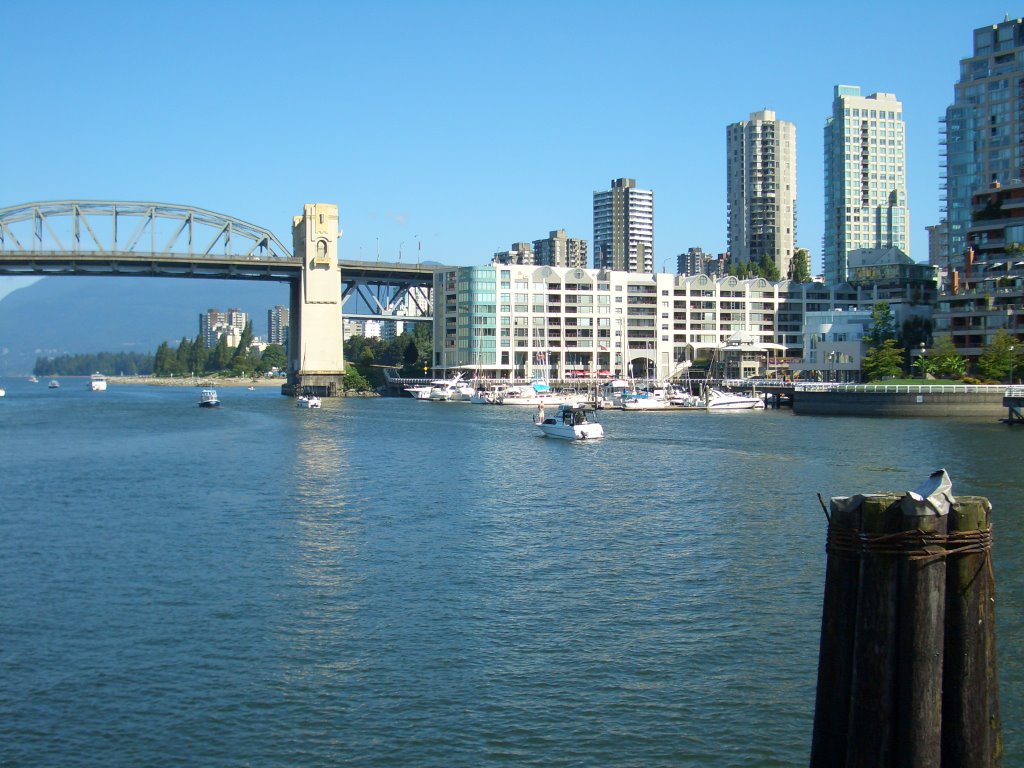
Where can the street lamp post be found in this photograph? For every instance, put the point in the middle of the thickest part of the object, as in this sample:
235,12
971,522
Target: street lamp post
920,361
832,366
1011,365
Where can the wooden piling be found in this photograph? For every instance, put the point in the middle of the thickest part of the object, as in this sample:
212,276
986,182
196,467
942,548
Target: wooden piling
835,654
972,727
907,674
873,693
921,638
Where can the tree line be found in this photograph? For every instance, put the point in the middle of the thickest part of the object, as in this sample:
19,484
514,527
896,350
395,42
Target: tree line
366,358
107,363
193,357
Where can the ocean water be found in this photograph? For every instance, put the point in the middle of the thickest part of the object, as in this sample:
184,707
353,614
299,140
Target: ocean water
386,582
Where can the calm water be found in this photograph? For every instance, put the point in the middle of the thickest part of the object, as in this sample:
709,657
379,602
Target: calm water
395,583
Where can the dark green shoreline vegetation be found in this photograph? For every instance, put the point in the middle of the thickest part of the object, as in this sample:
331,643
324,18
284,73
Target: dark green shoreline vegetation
366,359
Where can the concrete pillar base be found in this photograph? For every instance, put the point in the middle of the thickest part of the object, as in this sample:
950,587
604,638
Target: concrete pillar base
319,383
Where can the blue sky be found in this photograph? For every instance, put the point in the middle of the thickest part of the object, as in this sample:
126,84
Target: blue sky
453,129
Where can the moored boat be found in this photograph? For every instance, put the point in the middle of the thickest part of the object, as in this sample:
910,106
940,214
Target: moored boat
208,399
98,382
719,400
570,422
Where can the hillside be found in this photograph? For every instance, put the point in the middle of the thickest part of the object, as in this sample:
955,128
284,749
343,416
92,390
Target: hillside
59,315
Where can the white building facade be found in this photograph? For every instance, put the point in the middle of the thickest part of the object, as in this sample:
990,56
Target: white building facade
865,178
515,321
761,189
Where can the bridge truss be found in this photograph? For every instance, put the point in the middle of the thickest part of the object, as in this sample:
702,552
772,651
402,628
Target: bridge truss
82,237
74,226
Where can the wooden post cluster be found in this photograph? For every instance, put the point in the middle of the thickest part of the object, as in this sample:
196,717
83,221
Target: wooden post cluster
907,664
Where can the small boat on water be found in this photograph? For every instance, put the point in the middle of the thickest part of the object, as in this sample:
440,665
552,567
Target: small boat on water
719,400
3,392
208,399
54,384
98,382
570,422
33,379
307,401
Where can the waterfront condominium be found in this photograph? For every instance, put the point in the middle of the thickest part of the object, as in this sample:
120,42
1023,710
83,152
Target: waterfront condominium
624,228
761,189
984,127
865,178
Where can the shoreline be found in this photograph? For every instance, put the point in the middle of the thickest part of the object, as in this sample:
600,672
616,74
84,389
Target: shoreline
171,381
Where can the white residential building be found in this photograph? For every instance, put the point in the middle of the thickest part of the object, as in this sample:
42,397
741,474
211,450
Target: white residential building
865,178
508,320
761,189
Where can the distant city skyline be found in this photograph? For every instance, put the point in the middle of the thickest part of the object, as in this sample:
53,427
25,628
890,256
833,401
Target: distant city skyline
413,128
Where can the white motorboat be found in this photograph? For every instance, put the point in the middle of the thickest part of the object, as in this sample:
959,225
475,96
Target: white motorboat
54,384
719,400
98,382
419,391
33,380
537,393
655,400
682,398
307,401
570,422
451,390
3,392
485,396
614,393
208,399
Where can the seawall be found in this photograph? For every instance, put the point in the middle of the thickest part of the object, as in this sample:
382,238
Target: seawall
968,402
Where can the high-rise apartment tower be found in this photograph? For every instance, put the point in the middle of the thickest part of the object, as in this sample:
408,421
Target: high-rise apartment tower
277,325
984,127
761,189
865,178
624,228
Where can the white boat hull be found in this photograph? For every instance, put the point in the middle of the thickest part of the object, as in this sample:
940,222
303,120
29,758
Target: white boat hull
731,401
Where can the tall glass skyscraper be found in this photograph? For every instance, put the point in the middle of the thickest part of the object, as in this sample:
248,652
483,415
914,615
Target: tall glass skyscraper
865,178
984,126
761,189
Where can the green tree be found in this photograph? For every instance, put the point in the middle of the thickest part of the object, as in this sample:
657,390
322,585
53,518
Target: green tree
800,266
273,357
222,355
411,354
163,361
947,363
767,268
353,381
240,362
198,355
883,325
997,359
882,361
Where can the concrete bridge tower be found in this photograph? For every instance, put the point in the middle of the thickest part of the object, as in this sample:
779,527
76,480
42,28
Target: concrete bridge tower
315,359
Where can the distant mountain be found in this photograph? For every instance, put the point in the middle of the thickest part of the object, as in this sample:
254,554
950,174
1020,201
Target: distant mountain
68,315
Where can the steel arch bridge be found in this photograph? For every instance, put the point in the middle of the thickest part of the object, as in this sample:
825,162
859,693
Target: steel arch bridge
138,238
89,237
